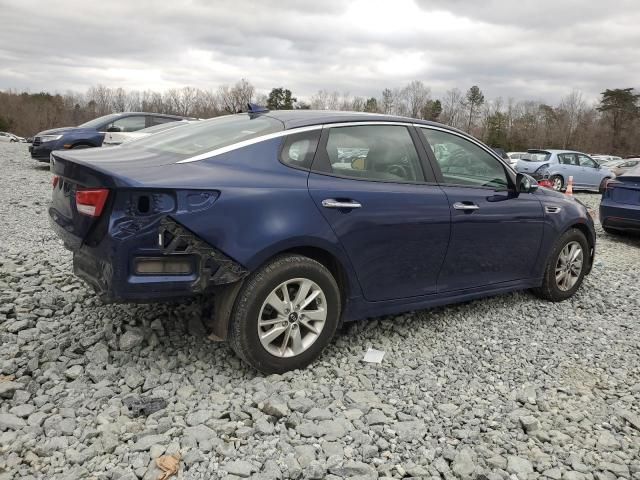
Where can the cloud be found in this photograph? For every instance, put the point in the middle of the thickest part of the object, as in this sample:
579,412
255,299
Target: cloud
527,50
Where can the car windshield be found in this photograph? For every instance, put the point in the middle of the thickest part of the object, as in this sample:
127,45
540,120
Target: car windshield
207,135
97,122
535,156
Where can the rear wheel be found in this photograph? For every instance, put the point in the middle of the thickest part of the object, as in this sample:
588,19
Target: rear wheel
565,268
611,231
557,182
285,314
81,145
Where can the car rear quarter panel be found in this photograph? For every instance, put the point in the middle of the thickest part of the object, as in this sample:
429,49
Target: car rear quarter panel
264,208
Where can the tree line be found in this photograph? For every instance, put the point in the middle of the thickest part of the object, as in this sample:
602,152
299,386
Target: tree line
607,126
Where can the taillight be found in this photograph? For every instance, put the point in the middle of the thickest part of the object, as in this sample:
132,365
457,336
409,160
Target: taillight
55,180
91,202
541,167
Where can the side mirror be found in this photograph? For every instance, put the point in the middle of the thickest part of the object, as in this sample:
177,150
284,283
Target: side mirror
525,183
114,129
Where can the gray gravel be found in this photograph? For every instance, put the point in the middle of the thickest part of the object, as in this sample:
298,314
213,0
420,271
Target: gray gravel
504,388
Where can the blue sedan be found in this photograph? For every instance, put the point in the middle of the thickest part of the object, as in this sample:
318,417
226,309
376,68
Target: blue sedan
91,133
620,204
559,165
294,222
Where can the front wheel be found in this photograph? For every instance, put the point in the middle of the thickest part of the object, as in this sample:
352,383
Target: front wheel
285,314
565,268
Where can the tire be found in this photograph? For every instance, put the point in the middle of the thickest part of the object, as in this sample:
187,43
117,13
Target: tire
256,302
553,290
81,145
612,231
603,185
557,182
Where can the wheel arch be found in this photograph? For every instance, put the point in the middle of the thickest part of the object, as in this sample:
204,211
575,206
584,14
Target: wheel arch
582,227
218,315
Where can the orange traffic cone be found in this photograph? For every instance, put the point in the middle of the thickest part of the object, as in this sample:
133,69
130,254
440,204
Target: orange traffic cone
569,190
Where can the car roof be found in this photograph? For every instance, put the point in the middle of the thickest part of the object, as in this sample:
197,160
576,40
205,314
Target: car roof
305,118
553,150
149,114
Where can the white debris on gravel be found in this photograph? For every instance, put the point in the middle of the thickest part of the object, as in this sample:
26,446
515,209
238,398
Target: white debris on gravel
510,387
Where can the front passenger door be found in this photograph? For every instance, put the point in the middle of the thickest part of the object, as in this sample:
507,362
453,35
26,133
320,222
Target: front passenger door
590,174
495,232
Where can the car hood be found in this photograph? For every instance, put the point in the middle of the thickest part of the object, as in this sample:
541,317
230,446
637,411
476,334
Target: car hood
57,131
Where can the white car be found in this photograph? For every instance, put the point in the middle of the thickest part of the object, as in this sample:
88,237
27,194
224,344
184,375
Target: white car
514,157
605,159
116,138
10,137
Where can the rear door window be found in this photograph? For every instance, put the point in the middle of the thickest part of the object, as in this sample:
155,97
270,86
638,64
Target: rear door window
568,159
373,152
128,124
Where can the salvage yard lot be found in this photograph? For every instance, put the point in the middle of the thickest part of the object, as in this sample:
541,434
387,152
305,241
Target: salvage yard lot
506,385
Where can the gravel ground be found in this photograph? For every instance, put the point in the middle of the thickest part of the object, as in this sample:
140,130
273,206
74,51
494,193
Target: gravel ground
504,388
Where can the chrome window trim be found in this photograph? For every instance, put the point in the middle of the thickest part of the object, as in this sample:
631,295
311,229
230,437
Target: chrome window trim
470,139
251,141
360,124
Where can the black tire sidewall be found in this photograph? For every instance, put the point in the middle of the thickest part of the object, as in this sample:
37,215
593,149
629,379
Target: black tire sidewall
550,278
602,184
244,328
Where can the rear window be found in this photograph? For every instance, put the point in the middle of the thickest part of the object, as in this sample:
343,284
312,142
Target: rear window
535,156
204,136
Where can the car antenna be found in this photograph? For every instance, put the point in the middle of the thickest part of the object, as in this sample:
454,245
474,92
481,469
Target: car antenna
253,109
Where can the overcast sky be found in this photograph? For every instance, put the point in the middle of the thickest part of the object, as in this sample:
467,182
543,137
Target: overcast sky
524,49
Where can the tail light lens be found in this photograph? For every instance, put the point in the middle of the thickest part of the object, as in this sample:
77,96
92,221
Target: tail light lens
542,167
55,180
91,202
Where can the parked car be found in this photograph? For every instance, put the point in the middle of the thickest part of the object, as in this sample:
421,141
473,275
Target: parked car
297,221
620,204
10,137
91,133
624,166
605,159
559,165
117,138
514,157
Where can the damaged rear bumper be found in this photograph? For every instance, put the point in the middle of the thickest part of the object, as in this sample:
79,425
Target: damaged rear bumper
109,266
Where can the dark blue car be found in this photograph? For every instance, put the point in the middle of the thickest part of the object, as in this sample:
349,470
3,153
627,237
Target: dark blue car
620,204
91,133
297,221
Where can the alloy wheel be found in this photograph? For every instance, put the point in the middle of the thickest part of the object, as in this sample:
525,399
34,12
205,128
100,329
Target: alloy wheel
557,184
292,317
569,266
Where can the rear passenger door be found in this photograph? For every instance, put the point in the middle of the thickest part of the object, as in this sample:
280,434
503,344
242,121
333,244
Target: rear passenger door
391,218
570,168
495,232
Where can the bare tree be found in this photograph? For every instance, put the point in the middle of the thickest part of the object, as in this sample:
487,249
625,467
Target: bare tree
416,96
452,108
571,108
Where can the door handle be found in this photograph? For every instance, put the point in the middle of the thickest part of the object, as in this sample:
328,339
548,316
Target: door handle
465,206
331,203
